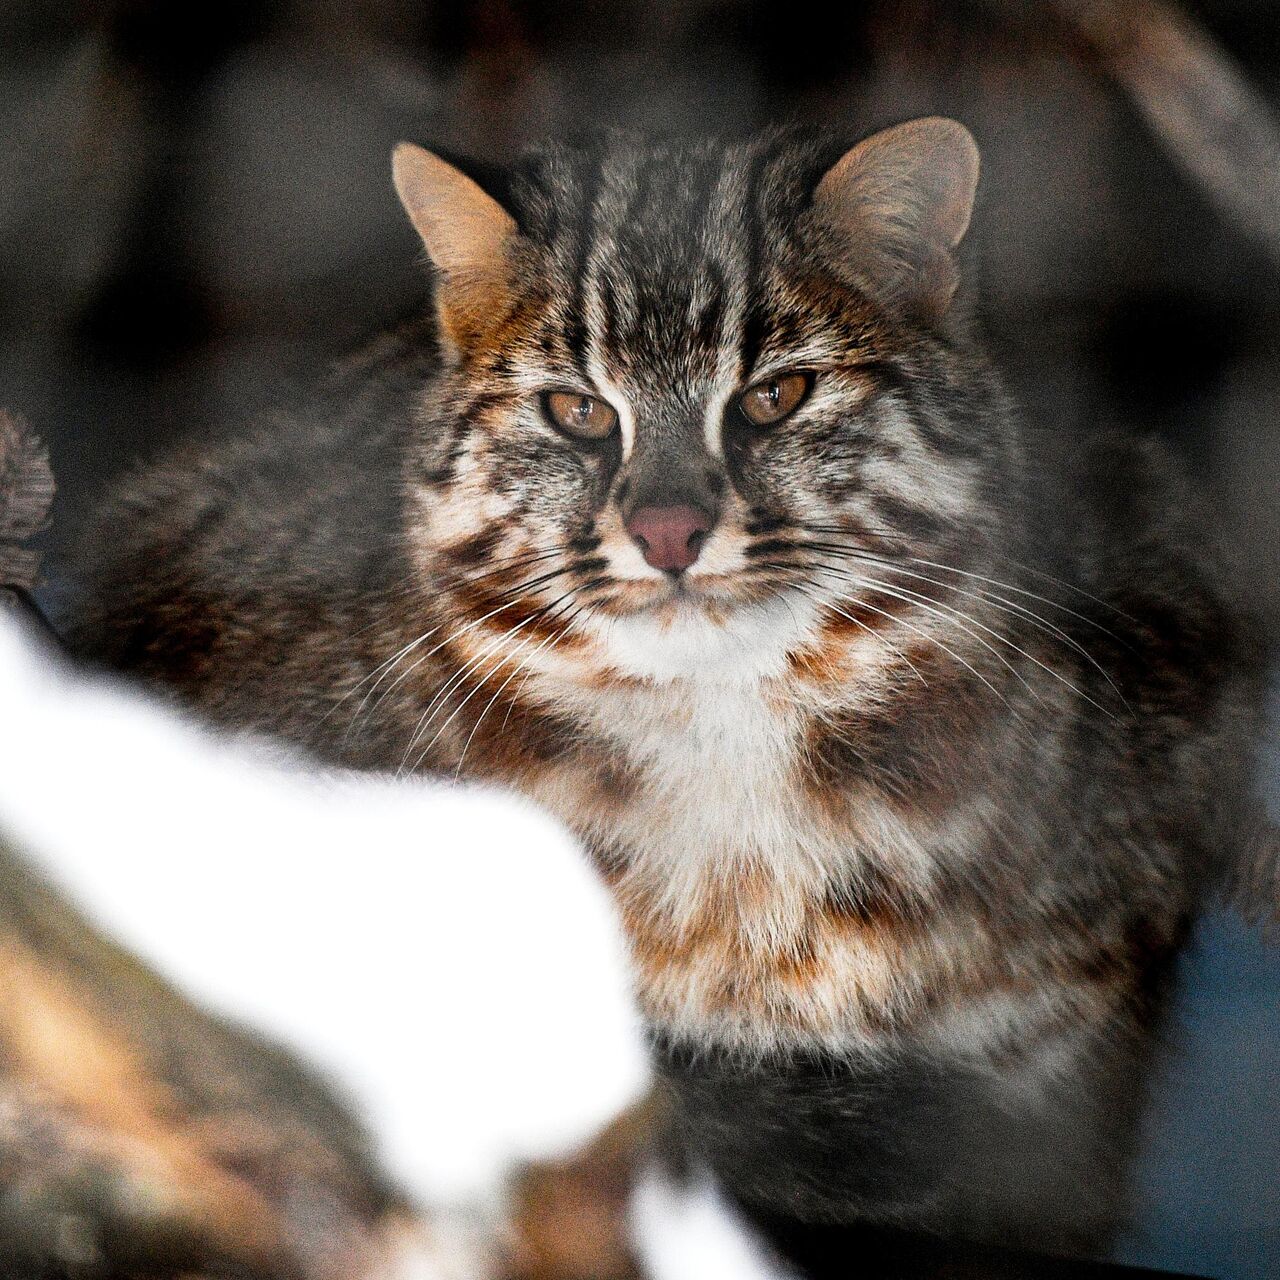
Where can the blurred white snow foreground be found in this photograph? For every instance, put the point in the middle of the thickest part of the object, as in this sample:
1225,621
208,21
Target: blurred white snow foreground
442,953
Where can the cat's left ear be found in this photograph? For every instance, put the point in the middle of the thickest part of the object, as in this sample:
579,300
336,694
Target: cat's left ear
469,237
897,205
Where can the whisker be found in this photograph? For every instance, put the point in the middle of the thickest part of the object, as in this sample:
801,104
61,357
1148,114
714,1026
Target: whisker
399,590
438,702
856,622
958,617
438,699
390,665
907,596
998,602
521,665
461,631
507,563
584,607
893,534
384,668
951,653
458,676
515,697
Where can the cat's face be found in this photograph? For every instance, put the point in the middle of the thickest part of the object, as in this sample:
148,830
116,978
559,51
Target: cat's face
692,382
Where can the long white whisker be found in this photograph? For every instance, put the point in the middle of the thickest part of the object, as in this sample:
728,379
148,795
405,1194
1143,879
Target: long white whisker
438,701
997,582
1011,607
386,668
951,653
387,664
439,697
957,615
521,665
952,616
454,635
1037,620
869,630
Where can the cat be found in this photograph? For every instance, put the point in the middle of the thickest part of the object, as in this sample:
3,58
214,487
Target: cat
907,738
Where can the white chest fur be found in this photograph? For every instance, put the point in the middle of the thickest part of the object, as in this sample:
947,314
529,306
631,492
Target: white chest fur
727,860
719,789
764,907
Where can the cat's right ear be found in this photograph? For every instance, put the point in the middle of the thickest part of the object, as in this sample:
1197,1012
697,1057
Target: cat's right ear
897,205
468,236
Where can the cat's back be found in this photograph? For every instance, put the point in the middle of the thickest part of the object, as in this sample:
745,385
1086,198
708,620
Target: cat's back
260,551
1152,569
1156,607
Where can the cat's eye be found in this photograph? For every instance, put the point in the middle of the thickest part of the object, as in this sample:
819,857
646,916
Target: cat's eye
773,399
585,417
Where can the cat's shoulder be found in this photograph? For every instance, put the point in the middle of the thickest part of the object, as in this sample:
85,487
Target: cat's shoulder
1161,577
303,504
330,460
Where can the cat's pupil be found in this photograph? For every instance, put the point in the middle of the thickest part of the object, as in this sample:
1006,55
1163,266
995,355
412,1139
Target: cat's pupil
584,408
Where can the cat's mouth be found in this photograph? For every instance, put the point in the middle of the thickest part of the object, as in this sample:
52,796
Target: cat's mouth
708,593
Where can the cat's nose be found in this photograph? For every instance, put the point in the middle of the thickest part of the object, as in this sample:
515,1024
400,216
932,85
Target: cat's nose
669,538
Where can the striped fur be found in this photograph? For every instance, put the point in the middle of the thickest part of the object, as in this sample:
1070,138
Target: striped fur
927,759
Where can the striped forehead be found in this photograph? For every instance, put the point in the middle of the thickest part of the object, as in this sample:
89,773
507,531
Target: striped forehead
665,279
667,265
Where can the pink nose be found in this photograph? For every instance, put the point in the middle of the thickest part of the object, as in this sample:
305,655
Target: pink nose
669,537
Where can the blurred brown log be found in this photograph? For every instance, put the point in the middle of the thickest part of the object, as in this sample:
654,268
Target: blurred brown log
1196,98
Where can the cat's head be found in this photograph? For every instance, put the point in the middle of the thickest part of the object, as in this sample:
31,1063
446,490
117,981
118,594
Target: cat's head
685,382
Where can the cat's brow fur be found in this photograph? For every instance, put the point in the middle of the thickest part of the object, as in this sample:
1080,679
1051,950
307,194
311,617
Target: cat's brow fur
911,804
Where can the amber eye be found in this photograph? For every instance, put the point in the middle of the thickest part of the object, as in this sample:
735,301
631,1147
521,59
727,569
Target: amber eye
579,415
772,400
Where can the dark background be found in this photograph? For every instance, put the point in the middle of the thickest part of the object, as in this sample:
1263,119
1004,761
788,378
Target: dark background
196,212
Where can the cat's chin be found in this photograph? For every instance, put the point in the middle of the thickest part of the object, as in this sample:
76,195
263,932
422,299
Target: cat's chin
687,634
707,596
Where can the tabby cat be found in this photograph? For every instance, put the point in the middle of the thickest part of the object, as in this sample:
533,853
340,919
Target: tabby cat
908,738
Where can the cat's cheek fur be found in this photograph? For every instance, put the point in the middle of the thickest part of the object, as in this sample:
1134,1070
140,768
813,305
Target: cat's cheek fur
624,561
464,511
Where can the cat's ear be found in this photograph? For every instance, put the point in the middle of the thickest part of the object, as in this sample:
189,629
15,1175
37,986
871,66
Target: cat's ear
468,236
898,204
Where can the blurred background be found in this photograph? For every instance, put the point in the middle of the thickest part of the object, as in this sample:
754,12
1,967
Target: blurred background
196,213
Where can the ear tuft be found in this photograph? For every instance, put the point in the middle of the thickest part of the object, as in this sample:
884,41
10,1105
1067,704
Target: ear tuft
898,204
467,235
